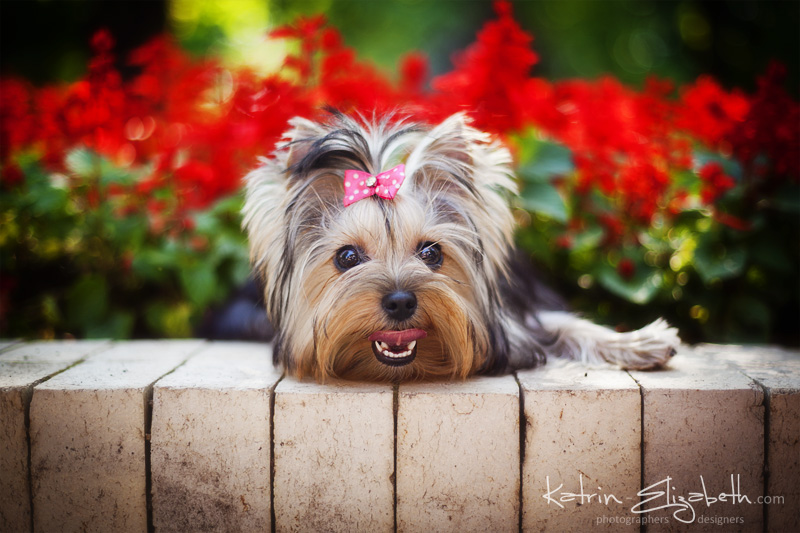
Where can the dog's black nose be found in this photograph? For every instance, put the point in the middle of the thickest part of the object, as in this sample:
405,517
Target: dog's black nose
399,305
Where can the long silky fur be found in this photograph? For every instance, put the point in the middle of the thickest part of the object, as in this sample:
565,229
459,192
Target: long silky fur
458,182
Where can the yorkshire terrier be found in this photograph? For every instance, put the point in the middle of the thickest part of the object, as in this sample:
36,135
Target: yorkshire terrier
386,251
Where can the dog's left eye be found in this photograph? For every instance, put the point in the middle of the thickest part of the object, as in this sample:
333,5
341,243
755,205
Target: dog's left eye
347,257
431,254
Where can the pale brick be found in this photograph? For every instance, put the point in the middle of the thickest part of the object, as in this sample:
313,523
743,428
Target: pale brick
5,344
458,456
88,438
210,446
334,456
21,367
582,466
778,371
703,425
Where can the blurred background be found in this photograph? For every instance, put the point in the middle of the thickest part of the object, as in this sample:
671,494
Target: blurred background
48,40
722,269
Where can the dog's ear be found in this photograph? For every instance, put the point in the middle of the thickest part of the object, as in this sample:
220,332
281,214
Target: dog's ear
444,143
281,210
301,136
467,170
267,194
457,157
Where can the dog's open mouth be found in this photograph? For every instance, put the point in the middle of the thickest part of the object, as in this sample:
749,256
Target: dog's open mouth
396,348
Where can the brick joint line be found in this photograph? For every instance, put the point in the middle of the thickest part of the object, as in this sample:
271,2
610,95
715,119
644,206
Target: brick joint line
27,398
642,526
272,454
523,428
766,401
395,411
148,427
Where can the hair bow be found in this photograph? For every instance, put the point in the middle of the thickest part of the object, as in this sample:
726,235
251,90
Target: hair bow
359,185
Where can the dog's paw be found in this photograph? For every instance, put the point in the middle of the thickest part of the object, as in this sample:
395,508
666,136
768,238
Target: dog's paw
645,349
580,340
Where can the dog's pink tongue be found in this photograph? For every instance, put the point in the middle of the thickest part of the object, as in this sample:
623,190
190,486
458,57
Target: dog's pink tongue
398,338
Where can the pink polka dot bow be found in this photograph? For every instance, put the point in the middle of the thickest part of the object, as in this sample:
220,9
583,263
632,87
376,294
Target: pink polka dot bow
359,185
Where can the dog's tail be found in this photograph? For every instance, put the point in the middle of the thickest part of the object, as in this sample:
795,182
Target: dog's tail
580,340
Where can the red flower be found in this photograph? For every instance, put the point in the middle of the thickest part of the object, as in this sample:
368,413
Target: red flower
614,228
710,113
622,141
626,268
17,125
11,175
564,241
194,127
491,76
413,72
715,182
771,128
732,221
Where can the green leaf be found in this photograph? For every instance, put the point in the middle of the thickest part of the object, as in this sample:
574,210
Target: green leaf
753,318
241,271
117,325
109,173
87,302
640,289
544,199
230,205
153,265
87,164
229,247
169,320
547,160
588,239
207,223
788,199
769,251
128,233
82,162
714,261
199,282
49,201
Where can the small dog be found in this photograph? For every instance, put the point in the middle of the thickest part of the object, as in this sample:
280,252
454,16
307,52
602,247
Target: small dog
386,252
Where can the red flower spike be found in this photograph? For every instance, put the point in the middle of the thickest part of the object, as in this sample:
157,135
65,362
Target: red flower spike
102,41
626,269
413,72
491,75
331,40
205,124
771,128
715,181
11,176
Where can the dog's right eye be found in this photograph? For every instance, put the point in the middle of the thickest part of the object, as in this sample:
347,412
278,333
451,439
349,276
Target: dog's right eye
346,258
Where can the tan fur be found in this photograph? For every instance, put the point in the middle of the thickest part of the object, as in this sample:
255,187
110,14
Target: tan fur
330,314
458,181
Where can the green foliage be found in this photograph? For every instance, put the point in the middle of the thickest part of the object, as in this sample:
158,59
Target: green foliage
543,163
714,282
75,264
87,269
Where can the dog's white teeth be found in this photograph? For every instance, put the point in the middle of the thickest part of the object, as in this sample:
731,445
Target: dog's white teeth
386,350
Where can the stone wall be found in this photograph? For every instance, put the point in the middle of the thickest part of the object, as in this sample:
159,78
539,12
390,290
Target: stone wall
191,436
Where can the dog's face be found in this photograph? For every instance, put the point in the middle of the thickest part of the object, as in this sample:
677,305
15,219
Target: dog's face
382,289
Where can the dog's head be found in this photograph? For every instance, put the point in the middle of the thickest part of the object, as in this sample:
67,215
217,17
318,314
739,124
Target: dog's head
383,288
